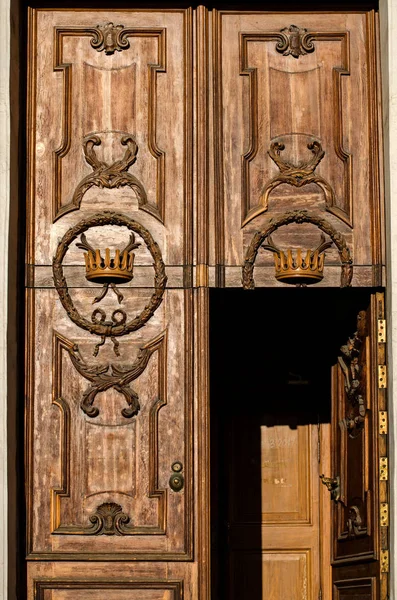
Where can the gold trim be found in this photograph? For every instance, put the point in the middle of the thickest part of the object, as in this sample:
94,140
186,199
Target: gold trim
383,422
381,331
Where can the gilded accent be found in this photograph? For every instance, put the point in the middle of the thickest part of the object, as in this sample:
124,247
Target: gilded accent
381,331
384,561
118,326
382,376
384,514
383,468
383,422
298,216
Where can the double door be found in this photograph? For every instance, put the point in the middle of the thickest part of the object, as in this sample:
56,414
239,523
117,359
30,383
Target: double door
164,147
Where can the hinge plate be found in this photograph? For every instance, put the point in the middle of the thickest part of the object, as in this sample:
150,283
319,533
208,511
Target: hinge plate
384,561
383,422
382,377
381,331
384,514
383,469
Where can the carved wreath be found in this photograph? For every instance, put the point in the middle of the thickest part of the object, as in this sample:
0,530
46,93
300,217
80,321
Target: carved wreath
297,216
118,326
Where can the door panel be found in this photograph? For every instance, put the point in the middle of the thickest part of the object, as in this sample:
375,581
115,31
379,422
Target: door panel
358,395
280,88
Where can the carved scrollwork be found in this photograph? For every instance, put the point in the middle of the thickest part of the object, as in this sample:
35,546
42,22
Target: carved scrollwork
354,523
295,42
106,376
298,216
295,175
118,326
111,176
349,361
108,519
110,38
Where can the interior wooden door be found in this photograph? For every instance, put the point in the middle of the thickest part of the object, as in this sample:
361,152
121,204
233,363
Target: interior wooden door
359,483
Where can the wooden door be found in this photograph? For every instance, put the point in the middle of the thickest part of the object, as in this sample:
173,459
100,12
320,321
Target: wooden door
109,414
359,462
149,180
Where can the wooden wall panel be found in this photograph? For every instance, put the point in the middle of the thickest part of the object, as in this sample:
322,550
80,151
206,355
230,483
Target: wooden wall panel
279,89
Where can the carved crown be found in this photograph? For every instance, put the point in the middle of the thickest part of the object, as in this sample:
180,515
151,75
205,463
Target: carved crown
299,267
117,269
108,269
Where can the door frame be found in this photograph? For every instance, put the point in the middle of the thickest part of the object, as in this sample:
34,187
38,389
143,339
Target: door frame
12,100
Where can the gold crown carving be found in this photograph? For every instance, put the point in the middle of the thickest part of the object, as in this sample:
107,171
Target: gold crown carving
109,269
299,267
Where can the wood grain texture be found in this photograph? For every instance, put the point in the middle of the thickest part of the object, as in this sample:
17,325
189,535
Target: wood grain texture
328,95
144,91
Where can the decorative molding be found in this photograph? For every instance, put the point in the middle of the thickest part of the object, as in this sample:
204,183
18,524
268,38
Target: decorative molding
110,38
44,586
296,42
298,216
352,370
295,175
159,33
108,176
343,213
107,376
60,344
118,326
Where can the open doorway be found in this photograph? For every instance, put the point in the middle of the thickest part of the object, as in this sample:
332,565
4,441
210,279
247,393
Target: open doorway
271,358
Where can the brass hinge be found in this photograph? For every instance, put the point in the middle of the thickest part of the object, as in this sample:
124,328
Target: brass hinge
383,422
384,514
383,469
202,275
382,377
384,561
381,331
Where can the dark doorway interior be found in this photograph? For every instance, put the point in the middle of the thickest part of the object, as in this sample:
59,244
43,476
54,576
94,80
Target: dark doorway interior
271,354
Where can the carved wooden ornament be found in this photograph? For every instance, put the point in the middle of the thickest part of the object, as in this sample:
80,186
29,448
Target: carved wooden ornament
298,216
118,325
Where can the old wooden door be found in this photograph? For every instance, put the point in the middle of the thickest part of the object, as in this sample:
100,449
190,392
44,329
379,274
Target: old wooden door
110,305
165,145
359,463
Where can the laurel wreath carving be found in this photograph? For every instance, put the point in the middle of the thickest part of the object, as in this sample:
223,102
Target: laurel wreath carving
298,216
116,327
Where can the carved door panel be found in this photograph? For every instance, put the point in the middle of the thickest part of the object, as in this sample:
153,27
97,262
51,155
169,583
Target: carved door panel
359,488
109,313
295,129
